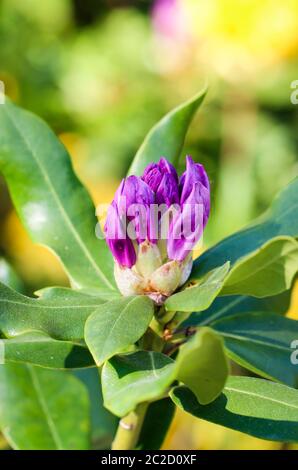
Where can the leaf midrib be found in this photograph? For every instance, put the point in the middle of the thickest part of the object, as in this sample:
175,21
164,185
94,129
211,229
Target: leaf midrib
60,206
255,271
266,218
51,425
119,317
253,340
47,307
252,394
222,310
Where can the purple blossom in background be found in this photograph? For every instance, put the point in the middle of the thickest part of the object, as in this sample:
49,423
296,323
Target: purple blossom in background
169,19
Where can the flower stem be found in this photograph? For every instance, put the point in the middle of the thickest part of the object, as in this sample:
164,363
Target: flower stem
130,426
129,429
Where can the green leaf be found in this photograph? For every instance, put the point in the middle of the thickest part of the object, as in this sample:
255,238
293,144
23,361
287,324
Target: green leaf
201,295
261,342
103,423
202,365
53,205
267,271
235,304
253,406
42,409
35,347
158,418
62,318
166,138
133,378
117,325
40,349
66,294
280,220
9,277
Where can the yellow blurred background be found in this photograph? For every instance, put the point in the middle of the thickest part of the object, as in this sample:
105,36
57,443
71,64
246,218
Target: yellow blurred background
102,72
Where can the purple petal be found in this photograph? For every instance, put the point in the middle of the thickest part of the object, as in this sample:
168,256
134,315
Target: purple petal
195,172
154,173
152,176
185,231
187,227
123,251
167,167
116,237
128,219
133,190
163,180
167,192
199,196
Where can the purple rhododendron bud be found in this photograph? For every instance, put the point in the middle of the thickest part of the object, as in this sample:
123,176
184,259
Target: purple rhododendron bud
153,254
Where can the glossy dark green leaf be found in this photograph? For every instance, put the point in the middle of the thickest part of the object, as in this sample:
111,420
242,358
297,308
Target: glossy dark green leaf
235,304
202,365
66,294
103,423
43,409
116,325
253,406
133,378
267,271
53,205
280,220
166,138
9,277
156,424
201,295
63,318
261,342
40,349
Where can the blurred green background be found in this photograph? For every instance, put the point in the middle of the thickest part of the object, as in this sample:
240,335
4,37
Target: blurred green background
102,72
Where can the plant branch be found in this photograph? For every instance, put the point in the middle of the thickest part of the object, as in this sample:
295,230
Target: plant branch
129,429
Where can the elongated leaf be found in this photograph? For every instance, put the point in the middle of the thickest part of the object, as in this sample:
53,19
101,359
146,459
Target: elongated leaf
66,294
202,365
267,271
201,295
134,378
9,277
130,379
103,423
235,304
43,409
117,325
51,202
156,424
63,318
254,406
280,220
261,342
40,349
166,138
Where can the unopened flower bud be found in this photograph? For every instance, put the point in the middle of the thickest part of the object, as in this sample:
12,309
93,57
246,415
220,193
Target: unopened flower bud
146,262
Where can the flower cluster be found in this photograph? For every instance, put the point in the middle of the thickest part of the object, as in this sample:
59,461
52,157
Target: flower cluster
153,224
